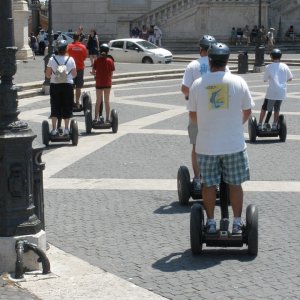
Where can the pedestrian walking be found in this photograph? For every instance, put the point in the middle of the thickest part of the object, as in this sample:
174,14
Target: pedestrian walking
157,36
93,46
33,43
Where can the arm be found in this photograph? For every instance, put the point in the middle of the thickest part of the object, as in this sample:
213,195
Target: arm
246,115
193,116
185,90
74,72
48,72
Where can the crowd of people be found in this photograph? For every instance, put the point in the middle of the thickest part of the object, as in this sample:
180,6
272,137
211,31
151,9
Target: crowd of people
152,34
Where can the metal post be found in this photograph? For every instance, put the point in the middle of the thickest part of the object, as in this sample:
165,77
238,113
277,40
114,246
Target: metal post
16,175
46,83
259,48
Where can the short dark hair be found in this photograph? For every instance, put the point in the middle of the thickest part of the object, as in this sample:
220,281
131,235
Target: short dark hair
76,37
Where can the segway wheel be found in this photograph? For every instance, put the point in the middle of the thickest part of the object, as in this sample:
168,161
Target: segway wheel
88,121
282,128
252,229
196,228
183,185
74,132
86,102
45,133
252,125
114,120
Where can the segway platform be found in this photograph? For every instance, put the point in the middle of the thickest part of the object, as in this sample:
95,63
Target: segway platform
267,131
100,124
60,136
223,237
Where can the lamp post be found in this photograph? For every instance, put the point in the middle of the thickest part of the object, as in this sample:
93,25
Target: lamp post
259,48
46,83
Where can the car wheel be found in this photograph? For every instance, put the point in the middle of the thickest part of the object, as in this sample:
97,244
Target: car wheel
147,60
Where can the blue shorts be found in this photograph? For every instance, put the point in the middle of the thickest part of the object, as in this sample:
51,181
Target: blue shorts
234,168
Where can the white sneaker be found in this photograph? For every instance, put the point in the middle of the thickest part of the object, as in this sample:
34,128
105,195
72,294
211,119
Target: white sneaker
54,132
237,227
211,226
66,132
274,126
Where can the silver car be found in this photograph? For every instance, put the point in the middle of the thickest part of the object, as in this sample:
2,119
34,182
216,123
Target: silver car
138,51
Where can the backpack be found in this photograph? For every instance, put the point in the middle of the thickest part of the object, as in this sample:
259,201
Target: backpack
61,73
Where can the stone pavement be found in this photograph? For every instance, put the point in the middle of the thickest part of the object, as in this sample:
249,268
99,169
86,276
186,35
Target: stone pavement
115,228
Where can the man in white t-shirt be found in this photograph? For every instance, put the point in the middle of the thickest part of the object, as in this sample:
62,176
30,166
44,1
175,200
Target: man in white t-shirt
195,70
220,103
277,74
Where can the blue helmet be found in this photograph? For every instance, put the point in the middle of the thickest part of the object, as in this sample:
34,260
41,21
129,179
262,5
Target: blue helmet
62,45
206,41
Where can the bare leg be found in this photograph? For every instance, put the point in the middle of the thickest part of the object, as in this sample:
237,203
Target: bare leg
77,95
54,122
262,116
99,95
236,199
67,121
209,200
107,105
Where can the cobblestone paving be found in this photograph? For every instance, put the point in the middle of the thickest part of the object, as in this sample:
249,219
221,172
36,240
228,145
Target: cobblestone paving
143,235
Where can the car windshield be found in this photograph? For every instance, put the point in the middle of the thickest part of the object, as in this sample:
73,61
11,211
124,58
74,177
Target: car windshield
147,45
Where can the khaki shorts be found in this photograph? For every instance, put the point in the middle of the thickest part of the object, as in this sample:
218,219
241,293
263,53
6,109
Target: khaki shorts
193,131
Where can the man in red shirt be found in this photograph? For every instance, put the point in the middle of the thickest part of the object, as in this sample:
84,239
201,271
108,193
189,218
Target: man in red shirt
79,52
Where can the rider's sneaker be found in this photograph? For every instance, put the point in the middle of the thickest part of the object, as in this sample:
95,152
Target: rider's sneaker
237,227
66,132
54,132
274,126
101,119
196,184
267,127
211,226
259,126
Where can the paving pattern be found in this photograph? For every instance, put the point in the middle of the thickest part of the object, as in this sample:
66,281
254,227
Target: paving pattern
112,200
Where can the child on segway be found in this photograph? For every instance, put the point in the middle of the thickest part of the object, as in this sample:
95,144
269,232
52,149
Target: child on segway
103,69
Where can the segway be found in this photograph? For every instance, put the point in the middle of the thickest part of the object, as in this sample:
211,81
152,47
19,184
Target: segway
223,237
267,131
185,188
100,124
86,103
60,136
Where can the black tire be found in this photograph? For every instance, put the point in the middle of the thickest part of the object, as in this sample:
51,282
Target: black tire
74,132
252,229
86,102
183,185
196,228
114,120
88,121
45,133
282,128
252,126
147,60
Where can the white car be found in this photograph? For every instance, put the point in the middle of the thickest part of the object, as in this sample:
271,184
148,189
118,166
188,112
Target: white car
138,51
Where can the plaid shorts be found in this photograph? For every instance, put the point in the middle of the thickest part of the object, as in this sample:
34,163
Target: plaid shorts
233,167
